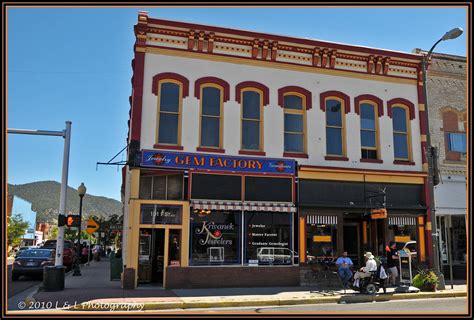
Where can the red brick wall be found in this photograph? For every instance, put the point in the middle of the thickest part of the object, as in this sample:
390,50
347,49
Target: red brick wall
229,277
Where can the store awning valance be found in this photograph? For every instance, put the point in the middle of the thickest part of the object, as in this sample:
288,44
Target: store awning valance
312,219
408,221
247,206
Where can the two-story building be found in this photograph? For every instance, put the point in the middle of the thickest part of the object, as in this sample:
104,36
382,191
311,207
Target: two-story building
446,84
248,149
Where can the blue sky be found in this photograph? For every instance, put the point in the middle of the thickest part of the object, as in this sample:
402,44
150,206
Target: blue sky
75,64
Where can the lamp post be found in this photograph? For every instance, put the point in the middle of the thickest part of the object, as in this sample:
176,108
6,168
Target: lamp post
82,191
452,34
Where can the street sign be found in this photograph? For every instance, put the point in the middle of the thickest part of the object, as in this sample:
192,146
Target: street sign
92,226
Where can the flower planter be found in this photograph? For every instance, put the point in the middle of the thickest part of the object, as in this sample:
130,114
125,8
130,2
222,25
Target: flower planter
429,287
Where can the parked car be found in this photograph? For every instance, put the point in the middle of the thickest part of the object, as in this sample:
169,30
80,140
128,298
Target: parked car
69,252
409,246
23,249
32,262
275,255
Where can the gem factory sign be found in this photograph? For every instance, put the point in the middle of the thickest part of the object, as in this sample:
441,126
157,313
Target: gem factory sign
177,160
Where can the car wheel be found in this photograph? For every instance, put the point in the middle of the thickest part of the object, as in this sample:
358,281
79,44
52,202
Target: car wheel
15,277
371,288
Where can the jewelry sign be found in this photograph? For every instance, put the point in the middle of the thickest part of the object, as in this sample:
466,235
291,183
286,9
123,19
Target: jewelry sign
178,160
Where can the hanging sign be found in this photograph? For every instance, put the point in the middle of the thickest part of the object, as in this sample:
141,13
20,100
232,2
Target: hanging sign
178,160
379,214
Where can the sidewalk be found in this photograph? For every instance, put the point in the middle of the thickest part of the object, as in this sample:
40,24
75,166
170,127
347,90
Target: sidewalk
94,291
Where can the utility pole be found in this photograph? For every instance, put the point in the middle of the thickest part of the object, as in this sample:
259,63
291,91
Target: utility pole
66,134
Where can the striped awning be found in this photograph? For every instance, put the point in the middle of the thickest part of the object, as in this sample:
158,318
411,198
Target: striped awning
312,219
247,206
408,221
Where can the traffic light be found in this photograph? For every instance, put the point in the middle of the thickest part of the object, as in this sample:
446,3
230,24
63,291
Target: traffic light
73,221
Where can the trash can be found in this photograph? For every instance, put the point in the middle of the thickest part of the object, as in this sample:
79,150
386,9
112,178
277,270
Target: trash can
116,267
53,278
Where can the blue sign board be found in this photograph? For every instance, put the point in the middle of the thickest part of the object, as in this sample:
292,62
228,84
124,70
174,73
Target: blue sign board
185,161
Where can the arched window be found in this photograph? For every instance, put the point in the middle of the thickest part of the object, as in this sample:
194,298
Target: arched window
170,97
369,131
211,115
401,132
294,105
252,120
335,131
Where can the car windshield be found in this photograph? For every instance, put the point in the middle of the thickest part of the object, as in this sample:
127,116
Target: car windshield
32,253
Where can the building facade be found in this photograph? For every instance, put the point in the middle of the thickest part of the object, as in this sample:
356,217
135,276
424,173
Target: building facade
251,152
447,76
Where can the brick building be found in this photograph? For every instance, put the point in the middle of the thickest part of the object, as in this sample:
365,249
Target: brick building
250,152
447,80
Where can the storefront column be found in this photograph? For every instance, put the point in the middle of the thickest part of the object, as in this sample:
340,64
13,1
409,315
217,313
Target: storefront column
421,232
302,240
428,230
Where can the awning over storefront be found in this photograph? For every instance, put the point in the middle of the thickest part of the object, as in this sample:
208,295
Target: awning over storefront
450,211
408,221
311,219
247,206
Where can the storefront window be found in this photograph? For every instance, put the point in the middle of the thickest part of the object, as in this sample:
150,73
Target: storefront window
403,233
215,237
161,187
158,214
459,238
268,238
321,241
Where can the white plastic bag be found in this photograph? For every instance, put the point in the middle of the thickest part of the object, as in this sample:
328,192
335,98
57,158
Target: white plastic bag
383,274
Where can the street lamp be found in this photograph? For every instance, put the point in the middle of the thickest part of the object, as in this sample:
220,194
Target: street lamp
82,191
452,34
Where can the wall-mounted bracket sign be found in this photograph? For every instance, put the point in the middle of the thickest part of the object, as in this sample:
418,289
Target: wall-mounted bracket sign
179,160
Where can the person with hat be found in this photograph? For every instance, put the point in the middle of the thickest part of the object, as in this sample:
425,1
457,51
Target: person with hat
370,265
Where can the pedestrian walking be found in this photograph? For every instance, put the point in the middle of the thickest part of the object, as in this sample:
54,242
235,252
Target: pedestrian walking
392,262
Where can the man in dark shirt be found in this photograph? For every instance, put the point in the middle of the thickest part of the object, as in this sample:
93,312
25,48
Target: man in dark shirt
392,262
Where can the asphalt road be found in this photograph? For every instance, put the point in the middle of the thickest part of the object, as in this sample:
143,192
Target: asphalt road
438,306
23,283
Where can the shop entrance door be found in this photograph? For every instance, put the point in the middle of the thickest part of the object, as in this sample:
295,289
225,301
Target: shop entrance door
352,242
158,256
151,256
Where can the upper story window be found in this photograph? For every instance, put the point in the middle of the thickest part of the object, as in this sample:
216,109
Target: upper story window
252,120
211,116
369,131
169,114
457,142
295,122
171,89
402,111
335,104
212,93
454,127
335,141
369,108
401,133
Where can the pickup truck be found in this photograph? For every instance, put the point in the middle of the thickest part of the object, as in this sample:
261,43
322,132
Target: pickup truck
69,253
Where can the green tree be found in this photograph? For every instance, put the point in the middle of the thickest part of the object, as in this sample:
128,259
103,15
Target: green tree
54,233
16,229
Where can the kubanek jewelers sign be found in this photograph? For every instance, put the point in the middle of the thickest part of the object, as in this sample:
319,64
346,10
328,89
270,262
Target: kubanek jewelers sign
178,160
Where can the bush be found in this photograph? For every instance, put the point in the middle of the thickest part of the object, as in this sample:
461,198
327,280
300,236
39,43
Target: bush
426,280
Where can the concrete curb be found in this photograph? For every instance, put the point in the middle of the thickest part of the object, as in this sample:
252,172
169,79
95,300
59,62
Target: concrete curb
224,303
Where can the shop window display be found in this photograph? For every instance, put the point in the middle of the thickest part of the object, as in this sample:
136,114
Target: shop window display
321,243
215,237
268,238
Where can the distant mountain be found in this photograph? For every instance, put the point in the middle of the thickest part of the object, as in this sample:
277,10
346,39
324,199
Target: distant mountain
44,198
